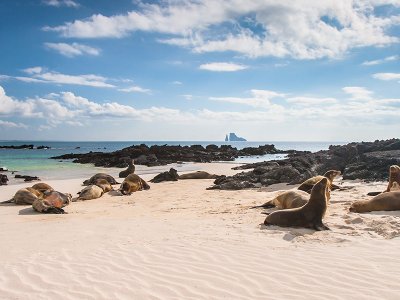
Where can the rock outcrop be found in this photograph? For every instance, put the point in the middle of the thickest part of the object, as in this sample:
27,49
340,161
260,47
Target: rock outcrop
165,154
365,160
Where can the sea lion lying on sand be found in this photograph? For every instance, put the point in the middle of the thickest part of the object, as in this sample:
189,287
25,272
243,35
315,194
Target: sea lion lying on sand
384,201
90,192
104,184
310,215
105,176
25,196
42,187
133,183
286,200
309,183
52,203
198,175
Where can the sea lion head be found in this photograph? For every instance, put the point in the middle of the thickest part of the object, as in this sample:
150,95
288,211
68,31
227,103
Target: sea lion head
358,206
125,188
331,174
394,169
104,185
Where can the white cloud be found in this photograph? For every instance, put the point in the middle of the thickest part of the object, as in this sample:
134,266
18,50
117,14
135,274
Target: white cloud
59,3
305,101
135,89
222,67
380,61
386,76
358,93
8,124
176,82
260,98
74,49
34,70
39,75
299,29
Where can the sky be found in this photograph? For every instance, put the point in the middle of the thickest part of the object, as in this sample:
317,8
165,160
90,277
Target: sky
187,70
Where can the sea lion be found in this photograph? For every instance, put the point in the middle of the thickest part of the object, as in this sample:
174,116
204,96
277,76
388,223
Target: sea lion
198,175
286,200
129,170
309,215
23,197
133,183
52,203
36,192
104,184
384,201
105,176
42,187
171,175
309,183
394,181
394,178
91,192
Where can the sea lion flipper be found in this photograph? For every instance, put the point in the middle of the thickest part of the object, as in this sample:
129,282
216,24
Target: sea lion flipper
321,227
7,201
268,204
54,210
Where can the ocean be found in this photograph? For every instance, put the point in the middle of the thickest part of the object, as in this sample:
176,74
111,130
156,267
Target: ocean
36,162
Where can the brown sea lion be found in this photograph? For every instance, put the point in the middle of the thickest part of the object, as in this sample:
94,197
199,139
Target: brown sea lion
104,184
310,215
41,186
394,178
91,192
286,200
394,181
23,197
105,176
52,203
129,170
309,183
133,183
198,175
384,201
36,192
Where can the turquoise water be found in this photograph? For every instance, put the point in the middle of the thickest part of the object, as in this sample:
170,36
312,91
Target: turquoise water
36,162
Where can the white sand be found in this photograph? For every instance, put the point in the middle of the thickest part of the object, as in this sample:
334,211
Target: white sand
181,241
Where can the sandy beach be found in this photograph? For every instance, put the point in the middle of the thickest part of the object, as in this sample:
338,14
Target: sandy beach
181,241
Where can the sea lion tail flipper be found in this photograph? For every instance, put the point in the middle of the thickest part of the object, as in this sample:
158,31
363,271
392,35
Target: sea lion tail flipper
267,204
7,201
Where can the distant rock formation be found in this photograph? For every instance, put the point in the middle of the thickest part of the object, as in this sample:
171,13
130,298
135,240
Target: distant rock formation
234,138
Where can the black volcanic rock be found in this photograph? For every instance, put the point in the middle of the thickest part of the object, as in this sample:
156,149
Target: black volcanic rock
365,160
165,154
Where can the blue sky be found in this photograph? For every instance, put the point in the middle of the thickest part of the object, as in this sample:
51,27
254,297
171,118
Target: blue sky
195,70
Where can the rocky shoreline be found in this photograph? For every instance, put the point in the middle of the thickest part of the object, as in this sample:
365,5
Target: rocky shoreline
369,161
162,155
